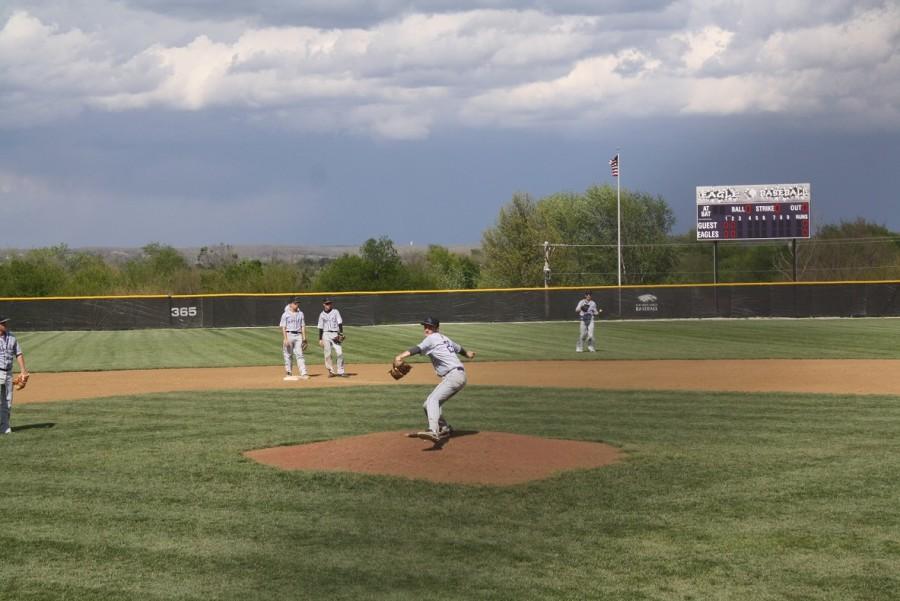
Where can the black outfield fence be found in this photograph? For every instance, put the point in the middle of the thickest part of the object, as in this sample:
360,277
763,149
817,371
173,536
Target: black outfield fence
813,299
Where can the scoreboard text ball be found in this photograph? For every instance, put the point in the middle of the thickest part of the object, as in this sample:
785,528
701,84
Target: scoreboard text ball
762,212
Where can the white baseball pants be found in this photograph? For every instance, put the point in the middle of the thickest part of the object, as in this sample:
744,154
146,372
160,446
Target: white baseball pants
294,348
451,383
586,333
329,346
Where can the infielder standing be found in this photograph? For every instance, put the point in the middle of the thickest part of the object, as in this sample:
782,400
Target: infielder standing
9,349
330,326
293,329
443,354
587,310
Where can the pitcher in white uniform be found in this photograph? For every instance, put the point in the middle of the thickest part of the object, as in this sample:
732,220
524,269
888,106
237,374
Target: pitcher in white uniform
443,354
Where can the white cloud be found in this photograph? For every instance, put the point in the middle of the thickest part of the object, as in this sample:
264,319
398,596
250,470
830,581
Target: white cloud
409,73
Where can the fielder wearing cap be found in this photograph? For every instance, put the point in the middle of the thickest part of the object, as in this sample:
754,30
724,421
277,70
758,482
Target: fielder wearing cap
443,354
293,339
587,310
9,350
331,330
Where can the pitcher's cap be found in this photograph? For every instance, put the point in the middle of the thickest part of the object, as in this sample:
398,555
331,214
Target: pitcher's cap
3,319
430,321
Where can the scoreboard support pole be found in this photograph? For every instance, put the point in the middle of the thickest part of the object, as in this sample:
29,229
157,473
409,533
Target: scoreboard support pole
794,257
716,275
715,262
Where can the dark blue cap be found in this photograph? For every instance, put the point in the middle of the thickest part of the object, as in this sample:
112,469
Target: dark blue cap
431,321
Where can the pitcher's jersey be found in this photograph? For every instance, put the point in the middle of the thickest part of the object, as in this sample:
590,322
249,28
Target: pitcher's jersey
330,321
292,322
442,351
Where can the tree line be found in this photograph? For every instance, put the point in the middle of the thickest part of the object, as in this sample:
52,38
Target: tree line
581,229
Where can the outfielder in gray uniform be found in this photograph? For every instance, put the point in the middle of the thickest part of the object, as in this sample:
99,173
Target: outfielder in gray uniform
9,349
293,330
587,310
443,354
330,325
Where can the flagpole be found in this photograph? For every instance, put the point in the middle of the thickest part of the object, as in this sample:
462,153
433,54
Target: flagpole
619,216
619,226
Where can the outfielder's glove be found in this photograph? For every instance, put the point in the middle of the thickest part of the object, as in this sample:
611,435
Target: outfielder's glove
20,380
340,338
398,370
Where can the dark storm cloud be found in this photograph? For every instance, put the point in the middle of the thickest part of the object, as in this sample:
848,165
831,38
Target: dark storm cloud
353,13
232,114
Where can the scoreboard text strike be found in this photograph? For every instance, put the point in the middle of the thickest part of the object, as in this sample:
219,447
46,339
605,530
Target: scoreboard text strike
764,212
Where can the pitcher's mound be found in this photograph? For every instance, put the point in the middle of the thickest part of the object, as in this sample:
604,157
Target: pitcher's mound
468,457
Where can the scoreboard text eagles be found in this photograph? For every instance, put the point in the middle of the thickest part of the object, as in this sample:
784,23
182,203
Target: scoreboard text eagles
763,212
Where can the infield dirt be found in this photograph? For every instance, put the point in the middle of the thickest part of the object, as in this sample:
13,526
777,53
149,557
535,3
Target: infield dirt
862,376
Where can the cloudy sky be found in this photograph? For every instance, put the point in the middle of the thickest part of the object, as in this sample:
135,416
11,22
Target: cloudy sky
192,122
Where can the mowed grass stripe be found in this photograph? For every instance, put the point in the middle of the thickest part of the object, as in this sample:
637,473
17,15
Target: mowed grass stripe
716,339
721,496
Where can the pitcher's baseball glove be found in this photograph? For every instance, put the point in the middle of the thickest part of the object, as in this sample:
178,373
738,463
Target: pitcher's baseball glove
398,370
20,380
339,339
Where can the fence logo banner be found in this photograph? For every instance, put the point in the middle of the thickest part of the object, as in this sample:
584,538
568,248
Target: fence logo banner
647,303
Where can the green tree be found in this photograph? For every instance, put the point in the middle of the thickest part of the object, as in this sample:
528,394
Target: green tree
157,270
377,267
38,272
587,224
450,271
512,248
848,250
90,275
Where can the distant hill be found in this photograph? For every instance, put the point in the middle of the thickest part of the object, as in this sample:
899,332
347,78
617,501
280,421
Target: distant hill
260,252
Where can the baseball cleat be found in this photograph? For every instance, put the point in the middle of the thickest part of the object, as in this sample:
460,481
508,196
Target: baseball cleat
7,431
429,436
446,430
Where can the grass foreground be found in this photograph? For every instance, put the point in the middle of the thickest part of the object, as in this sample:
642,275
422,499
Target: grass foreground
722,496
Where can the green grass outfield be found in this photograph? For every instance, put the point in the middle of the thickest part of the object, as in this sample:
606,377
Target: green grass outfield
707,339
722,496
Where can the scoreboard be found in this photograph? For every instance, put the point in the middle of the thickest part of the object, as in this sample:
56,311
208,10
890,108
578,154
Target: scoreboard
763,212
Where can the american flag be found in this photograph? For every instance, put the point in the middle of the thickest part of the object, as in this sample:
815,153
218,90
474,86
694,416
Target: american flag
614,165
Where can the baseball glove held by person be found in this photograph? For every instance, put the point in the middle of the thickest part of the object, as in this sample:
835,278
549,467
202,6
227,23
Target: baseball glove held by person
340,338
398,370
19,381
